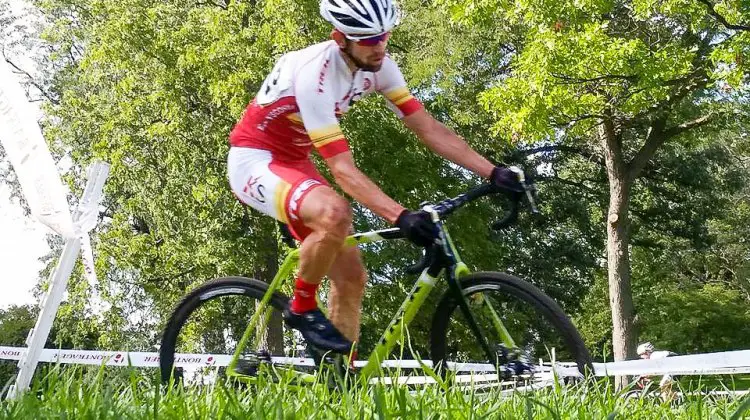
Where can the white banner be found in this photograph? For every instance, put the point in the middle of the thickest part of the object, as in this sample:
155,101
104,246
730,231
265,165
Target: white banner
28,153
117,358
697,364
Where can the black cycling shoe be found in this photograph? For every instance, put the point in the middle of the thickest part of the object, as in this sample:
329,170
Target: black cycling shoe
320,356
318,331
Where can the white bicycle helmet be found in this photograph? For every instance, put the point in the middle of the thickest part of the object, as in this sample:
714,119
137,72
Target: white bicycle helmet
646,347
360,18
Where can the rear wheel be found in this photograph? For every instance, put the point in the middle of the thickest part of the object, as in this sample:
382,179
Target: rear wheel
504,306
212,319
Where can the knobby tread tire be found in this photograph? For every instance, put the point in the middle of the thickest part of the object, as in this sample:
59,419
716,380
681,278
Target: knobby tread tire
521,290
252,288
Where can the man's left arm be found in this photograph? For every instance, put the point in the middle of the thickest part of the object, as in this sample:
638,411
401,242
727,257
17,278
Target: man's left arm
445,142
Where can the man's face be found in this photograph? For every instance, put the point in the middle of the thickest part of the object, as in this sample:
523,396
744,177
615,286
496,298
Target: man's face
646,355
368,55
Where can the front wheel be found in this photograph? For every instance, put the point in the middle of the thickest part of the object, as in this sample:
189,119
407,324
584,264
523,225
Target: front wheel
515,317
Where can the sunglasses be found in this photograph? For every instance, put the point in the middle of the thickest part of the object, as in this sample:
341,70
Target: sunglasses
371,41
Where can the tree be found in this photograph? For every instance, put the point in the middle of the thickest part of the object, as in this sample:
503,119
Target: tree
621,79
683,208
15,323
154,88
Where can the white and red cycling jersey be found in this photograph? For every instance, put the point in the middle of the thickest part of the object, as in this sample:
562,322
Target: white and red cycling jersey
301,100
298,107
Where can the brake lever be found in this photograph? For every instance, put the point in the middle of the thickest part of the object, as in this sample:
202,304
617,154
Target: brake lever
530,193
512,215
528,187
429,251
427,259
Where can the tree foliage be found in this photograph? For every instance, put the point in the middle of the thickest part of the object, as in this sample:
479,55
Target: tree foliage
155,87
619,79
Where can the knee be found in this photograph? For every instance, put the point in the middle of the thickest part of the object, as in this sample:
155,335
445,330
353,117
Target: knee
336,218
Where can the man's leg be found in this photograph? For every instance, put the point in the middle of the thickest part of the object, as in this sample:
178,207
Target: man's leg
327,217
348,278
295,192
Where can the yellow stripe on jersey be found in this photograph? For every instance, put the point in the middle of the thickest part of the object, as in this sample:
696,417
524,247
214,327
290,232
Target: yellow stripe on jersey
295,118
399,95
320,143
323,136
280,200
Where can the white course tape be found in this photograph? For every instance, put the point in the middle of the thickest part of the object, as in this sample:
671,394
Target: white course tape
732,362
117,358
694,364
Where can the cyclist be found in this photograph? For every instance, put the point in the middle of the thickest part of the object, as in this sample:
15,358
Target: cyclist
297,108
646,351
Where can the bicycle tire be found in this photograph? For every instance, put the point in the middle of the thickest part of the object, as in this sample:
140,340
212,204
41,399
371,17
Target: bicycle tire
519,290
221,287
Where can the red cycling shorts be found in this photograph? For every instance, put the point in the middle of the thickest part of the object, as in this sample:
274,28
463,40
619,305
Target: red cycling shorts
273,187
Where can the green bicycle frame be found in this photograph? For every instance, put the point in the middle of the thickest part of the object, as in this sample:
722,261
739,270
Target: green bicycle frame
396,328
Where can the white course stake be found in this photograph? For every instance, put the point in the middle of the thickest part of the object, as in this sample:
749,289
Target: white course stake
40,182
86,211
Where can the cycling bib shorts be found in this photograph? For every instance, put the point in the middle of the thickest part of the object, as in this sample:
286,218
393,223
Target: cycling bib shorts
272,187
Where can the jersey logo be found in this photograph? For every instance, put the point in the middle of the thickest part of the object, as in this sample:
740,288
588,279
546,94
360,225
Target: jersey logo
302,142
255,190
275,113
350,98
357,96
322,76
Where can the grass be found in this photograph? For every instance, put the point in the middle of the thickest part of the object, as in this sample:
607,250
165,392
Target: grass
86,393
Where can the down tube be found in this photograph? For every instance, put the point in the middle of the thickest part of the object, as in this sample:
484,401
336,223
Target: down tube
261,315
403,317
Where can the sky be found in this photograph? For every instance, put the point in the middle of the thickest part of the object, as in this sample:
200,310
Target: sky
22,243
22,239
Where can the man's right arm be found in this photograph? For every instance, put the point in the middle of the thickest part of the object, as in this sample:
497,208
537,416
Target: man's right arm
317,105
361,188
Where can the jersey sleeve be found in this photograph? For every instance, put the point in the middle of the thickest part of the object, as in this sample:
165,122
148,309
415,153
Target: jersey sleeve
391,84
317,108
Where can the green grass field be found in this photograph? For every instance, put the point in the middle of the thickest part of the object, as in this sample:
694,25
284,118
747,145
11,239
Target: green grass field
79,393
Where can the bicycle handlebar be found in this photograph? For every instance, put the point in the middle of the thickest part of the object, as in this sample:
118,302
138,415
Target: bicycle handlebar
449,205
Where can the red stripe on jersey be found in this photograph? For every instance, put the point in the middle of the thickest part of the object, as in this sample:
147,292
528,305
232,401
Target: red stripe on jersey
268,128
332,149
409,107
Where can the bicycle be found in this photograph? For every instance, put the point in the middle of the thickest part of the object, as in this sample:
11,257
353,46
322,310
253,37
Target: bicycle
496,309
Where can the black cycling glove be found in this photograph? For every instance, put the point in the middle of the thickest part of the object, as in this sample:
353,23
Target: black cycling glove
417,226
507,180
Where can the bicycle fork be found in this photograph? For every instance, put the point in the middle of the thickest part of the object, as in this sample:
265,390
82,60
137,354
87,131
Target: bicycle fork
455,269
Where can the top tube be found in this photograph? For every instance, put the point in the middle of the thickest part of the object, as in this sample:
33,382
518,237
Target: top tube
444,208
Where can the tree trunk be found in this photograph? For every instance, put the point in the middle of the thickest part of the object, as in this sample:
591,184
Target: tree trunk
618,240
273,336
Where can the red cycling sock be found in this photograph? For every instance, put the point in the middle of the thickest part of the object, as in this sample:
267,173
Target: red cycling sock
352,359
304,296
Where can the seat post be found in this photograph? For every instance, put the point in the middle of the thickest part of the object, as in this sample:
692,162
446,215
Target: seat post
286,235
